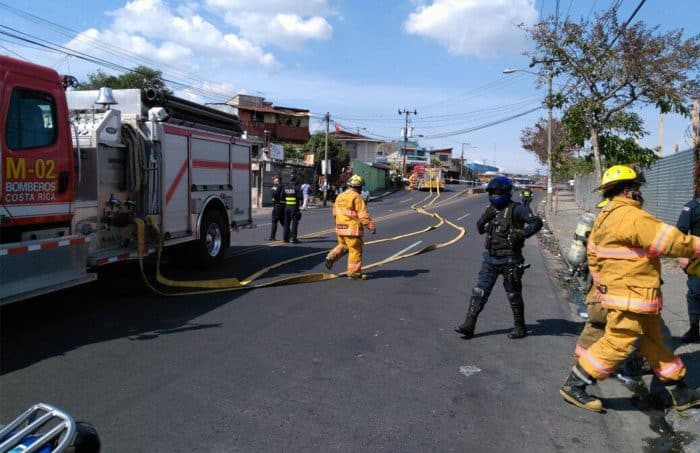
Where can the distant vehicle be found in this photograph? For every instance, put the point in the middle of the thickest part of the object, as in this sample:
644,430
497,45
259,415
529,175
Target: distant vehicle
365,195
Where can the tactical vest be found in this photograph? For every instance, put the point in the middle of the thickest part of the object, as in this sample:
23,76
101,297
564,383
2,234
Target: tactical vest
290,196
498,237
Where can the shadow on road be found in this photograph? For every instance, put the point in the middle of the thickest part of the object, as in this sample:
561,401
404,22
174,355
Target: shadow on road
382,273
556,327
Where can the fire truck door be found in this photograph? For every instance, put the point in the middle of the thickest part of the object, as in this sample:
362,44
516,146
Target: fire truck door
37,155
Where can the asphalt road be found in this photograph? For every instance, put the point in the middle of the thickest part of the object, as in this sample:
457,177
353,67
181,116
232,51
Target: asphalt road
337,365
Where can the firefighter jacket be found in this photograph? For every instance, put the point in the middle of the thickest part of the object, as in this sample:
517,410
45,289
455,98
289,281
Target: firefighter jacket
351,214
506,229
623,255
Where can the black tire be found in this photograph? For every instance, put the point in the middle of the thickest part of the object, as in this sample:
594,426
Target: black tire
214,238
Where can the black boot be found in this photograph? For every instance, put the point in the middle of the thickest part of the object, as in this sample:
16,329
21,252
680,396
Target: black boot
693,334
574,391
518,307
476,304
683,397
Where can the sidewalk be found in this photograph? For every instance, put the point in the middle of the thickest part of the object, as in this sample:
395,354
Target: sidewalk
562,224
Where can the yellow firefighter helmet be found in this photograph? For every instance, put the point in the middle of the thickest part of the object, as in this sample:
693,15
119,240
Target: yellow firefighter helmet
616,174
356,181
603,203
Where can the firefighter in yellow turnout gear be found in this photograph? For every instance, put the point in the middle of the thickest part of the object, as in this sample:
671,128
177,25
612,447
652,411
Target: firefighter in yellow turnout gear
623,251
351,218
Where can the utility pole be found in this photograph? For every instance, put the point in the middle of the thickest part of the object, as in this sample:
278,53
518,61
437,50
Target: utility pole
405,136
661,135
327,117
550,75
696,124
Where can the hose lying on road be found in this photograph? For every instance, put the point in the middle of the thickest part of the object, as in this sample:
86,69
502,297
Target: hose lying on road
232,284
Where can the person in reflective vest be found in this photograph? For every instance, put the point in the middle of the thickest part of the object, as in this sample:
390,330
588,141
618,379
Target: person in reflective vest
277,207
292,214
506,224
351,217
623,251
689,223
526,197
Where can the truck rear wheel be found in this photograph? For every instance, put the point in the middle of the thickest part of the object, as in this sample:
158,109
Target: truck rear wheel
214,238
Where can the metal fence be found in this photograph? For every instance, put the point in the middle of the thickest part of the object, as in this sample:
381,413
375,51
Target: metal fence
671,183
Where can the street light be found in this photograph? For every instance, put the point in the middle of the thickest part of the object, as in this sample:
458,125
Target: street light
550,75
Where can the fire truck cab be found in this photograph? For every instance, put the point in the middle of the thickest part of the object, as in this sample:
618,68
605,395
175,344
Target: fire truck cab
77,167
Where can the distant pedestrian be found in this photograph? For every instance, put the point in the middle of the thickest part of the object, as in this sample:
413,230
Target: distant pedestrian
277,207
526,197
305,192
292,214
689,223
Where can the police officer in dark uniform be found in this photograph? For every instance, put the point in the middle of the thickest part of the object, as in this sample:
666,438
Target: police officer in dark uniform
277,207
506,224
526,197
292,214
689,223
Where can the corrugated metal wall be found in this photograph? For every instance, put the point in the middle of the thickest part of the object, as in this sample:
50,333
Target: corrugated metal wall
375,178
670,184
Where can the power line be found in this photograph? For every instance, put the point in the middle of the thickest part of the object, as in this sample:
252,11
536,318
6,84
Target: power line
483,126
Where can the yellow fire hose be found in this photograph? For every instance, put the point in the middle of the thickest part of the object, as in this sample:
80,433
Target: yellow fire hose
232,284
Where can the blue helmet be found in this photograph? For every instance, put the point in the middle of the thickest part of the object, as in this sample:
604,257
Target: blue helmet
500,190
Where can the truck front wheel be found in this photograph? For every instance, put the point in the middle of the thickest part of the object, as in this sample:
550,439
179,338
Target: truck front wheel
214,238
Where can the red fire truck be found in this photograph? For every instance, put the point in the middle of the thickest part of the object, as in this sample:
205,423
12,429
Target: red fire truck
78,167
428,178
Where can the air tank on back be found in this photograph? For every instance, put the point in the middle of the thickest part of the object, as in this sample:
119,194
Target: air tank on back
577,251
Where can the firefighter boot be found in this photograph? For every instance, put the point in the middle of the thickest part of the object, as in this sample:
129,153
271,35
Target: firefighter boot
693,334
518,307
476,304
683,397
574,391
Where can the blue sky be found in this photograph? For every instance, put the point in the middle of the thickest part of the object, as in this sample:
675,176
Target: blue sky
360,60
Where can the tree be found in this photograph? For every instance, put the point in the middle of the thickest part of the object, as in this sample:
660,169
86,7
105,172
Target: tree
534,139
435,162
141,77
337,154
293,152
613,67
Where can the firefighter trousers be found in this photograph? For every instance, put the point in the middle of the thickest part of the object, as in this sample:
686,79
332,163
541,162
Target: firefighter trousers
353,245
593,330
623,331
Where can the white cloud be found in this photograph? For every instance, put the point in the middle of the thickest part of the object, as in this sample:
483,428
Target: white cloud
166,52
287,31
474,27
153,19
272,7
284,23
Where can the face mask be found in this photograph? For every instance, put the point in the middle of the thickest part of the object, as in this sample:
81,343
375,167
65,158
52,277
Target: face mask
498,201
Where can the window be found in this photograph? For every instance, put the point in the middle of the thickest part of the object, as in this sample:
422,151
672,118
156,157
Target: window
443,157
31,120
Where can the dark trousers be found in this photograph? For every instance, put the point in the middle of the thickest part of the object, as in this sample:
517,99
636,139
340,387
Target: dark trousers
693,298
291,222
491,268
277,217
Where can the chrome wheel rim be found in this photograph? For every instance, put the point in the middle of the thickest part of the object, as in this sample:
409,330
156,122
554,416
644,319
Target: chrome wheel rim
214,239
